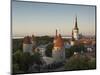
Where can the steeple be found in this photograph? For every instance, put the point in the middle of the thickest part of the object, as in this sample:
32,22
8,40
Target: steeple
56,33
76,27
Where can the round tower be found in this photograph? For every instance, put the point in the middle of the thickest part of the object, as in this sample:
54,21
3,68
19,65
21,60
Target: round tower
27,44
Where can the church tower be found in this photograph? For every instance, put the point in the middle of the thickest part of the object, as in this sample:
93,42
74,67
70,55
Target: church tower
76,30
58,51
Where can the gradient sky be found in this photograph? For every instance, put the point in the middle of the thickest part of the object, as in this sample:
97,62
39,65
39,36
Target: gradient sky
44,18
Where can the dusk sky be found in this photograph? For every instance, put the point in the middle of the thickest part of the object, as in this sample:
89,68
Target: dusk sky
45,18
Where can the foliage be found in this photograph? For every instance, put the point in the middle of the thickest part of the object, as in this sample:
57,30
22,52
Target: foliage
17,56
79,63
36,58
76,48
92,64
48,51
15,68
69,52
22,61
43,40
17,44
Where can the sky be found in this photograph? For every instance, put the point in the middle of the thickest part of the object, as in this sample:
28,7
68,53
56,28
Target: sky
44,18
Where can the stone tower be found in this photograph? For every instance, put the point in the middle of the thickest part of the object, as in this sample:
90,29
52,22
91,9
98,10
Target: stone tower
27,44
76,30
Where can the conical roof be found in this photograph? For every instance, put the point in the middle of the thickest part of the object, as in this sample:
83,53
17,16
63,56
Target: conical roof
59,42
76,27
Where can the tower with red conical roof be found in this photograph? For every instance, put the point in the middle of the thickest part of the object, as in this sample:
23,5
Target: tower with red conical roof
58,51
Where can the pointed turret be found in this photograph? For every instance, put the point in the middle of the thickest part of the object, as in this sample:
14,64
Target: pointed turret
76,27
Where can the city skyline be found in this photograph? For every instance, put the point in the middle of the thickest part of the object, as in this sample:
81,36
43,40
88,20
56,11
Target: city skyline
44,18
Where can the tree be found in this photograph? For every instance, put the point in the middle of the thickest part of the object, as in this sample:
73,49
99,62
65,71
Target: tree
43,40
17,44
92,63
48,51
69,52
23,61
15,68
36,57
76,48
77,63
17,56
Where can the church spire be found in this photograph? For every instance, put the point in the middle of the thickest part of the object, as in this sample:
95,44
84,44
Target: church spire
76,27
56,32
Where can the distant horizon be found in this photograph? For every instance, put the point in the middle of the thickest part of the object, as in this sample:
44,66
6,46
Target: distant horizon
48,35
43,19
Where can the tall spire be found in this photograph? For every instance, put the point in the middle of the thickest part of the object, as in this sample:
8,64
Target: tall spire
76,27
56,32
